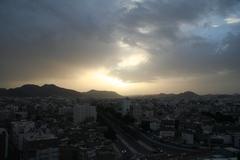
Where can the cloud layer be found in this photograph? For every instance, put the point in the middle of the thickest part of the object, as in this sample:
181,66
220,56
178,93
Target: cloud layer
192,43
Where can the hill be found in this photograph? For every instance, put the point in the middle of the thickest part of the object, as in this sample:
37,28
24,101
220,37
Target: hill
31,90
184,95
102,94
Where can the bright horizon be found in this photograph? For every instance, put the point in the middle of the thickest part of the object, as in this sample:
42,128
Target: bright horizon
140,93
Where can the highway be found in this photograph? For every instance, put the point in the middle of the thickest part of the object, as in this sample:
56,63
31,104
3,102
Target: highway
123,149
138,143
127,143
128,140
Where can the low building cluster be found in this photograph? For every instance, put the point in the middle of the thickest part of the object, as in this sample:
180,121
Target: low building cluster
52,129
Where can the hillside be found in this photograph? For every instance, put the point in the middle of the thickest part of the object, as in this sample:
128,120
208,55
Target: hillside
47,90
102,94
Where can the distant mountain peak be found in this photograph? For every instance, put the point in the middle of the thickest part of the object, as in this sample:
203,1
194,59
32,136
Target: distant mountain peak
49,85
92,90
52,87
103,94
29,86
188,93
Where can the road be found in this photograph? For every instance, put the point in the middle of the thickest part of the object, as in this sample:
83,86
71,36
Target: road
135,149
144,138
136,142
127,139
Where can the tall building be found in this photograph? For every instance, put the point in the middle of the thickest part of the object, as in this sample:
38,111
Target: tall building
3,144
82,113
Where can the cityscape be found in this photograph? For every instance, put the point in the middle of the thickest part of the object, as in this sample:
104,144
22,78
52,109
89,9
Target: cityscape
183,126
119,79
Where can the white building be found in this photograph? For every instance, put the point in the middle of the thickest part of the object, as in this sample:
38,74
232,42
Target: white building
84,112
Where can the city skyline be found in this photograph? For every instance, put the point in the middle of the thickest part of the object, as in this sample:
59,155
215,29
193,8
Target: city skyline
133,47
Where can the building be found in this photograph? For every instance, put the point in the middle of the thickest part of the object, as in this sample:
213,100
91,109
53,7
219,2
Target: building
21,115
34,143
148,113
82,113
5,115
136,111
145,124
188,137
207,129
125,106
168,123
3,144
167,128
154,125
236,140
19,129
40,145
167,133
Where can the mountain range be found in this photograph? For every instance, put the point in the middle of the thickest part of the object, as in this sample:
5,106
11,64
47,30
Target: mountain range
47,90
183,95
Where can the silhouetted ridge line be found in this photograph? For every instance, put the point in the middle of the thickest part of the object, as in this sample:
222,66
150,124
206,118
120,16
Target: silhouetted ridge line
31,90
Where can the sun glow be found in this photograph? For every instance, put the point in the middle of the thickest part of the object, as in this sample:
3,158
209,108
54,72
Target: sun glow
104,76
133,60
130,58
135,57
101,79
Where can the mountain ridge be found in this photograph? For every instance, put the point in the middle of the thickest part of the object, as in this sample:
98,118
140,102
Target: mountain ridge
46,90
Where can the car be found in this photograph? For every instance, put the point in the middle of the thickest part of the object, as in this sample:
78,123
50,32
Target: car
123,151
161,151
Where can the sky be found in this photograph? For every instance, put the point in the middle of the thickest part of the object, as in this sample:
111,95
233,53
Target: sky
128,46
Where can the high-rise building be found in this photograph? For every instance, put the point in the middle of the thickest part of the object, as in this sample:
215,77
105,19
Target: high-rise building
3,143
82,113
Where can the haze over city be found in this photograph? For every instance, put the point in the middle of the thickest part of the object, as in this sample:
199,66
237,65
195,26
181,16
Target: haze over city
128,46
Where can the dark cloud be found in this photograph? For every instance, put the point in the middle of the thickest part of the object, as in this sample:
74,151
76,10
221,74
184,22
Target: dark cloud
41,36
50,39
174,53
